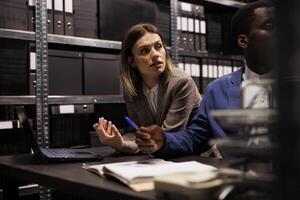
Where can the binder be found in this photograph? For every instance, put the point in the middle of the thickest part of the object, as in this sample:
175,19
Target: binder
187,66
32,83
197,39
195,71
185,40
31,15
58,17
190,45
32,73
221,65
203,38
215,69
195,67
179,34
203,43
204,74
180,64
68,16
50,16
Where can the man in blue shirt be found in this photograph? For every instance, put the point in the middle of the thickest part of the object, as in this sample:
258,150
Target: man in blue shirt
253,29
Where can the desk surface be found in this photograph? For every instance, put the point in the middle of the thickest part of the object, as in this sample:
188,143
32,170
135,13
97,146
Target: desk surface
72,178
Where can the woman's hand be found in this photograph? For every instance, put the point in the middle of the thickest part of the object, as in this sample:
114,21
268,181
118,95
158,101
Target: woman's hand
108,134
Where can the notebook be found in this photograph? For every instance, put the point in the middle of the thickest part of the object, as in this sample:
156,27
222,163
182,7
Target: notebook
52,155
139,175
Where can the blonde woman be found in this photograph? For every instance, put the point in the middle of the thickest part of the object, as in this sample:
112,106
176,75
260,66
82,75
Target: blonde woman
155,92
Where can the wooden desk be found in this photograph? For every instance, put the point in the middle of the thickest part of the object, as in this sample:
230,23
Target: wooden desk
73,179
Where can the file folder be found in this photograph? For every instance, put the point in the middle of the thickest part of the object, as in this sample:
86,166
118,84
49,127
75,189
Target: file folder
58,17
68,15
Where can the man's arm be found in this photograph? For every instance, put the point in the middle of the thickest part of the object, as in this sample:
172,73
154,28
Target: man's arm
191,140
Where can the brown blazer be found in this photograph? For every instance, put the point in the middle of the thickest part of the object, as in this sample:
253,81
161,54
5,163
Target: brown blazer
178,101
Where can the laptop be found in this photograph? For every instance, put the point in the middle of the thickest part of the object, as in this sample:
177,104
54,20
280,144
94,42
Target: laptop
52,154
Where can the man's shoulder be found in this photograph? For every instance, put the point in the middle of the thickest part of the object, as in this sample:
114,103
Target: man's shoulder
228,79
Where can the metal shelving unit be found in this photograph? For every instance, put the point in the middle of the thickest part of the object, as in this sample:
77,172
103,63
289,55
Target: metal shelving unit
61,39
42,100
61,99
66,40
174,13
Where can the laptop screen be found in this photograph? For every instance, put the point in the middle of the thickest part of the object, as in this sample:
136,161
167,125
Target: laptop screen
20,110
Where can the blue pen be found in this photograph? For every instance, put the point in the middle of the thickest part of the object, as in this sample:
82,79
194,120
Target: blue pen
131,123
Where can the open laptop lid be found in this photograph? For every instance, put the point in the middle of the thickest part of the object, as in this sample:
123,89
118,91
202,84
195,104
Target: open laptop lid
20,110
83,155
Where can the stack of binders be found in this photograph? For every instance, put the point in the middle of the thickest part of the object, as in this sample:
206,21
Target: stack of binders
206,69
59,14
191,26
